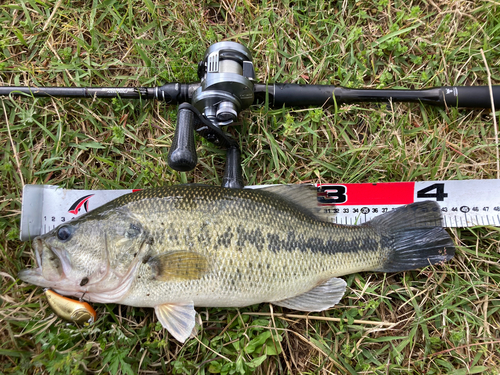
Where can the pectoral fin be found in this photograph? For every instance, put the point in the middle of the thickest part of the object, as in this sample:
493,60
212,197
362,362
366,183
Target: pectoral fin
178,320
186,265
319,298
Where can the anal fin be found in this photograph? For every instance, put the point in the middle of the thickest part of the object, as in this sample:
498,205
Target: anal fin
178,320
319,298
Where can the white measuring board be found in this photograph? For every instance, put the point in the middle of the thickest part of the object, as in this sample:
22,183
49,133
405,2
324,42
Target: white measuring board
463,203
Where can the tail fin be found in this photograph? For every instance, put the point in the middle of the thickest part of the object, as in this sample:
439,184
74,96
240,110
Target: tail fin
415,235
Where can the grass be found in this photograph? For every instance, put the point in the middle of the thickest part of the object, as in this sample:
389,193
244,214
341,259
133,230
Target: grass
446,319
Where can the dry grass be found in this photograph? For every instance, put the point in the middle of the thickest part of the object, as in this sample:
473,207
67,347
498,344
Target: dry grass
446,319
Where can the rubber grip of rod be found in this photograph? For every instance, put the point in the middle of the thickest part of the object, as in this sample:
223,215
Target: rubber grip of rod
182,155
290,94
233,177
472,96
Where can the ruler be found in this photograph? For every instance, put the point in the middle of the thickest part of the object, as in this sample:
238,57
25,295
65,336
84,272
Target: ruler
464,203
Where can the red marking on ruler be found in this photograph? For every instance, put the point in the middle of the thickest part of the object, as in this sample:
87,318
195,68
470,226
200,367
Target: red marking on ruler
367,194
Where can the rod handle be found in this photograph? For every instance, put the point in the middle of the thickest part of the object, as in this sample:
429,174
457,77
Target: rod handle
472,96
289,95
182,155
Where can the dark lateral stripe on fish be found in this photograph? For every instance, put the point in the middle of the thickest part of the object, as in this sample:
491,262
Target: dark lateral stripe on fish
184,195
293,242
252,237
325,239
318,244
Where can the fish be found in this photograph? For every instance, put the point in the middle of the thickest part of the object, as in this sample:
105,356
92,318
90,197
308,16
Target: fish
174,248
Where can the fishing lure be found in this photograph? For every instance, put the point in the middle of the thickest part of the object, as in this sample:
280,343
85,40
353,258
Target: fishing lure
71,310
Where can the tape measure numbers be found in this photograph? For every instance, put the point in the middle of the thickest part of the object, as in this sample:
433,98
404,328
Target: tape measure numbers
463,203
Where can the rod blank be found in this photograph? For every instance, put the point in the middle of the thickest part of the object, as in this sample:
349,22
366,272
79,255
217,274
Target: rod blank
281,94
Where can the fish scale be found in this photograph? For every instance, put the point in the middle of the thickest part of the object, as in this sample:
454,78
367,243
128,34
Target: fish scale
235,262
174,248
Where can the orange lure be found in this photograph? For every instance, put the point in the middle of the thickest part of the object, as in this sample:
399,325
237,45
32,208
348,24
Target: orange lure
71,310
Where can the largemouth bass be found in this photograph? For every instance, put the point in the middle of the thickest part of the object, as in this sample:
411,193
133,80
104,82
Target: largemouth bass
177,247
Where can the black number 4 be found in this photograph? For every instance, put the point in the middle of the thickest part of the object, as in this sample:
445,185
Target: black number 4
439,194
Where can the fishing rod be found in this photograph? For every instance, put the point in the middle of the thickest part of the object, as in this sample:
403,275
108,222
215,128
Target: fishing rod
227,86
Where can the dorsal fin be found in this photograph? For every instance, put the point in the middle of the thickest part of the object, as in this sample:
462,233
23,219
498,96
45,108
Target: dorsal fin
304,196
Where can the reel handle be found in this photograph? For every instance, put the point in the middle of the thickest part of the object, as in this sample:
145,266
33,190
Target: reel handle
182,155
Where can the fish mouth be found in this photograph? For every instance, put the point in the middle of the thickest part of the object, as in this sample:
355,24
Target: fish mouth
50,266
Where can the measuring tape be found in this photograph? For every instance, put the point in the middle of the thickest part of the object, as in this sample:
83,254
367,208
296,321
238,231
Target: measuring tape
464,203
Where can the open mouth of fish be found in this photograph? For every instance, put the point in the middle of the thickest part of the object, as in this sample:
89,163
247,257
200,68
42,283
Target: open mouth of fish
52,265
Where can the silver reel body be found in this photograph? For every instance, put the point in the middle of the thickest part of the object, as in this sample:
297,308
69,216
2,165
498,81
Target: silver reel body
227,82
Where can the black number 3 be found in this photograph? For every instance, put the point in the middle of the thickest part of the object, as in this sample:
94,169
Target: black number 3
334,194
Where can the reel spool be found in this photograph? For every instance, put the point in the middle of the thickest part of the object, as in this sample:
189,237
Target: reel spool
227,87
227,75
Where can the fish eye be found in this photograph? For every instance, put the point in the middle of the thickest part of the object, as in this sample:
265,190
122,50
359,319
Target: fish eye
64,233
